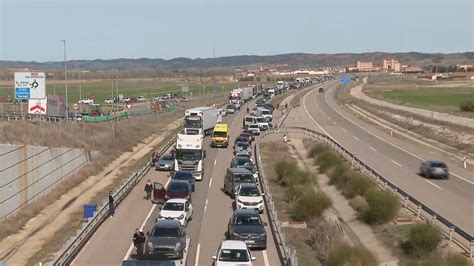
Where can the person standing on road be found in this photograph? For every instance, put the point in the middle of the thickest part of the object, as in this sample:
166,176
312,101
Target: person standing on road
154,158
139,241
111,205
248,110
148,189
285,138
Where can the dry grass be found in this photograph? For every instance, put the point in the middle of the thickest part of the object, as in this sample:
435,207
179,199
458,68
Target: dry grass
105,141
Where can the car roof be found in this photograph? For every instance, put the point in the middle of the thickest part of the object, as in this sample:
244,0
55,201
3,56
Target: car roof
236,170
221,127
176,201
248,185
233,244
174,181
435,161
167,224
166,157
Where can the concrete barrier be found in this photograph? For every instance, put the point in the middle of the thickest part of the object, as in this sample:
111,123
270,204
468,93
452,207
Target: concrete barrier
27,173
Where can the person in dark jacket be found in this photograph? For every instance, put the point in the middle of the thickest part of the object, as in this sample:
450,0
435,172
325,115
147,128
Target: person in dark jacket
154,158
148,189
111,205
139,241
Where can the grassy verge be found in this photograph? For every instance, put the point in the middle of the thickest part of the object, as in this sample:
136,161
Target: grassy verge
295,197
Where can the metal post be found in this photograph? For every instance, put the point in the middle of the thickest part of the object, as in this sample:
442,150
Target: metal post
80,91
451,230
65,79
406,202
433,218
471,249
418,210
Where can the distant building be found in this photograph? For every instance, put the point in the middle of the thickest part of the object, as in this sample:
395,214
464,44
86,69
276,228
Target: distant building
465,67
412,69
391,65
365,66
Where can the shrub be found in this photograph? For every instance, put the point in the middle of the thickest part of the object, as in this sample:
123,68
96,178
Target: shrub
355,256
452,259
422,238
382,207
311,204
338,175
358,203
326,160
467,106
284,170
356,184
317,149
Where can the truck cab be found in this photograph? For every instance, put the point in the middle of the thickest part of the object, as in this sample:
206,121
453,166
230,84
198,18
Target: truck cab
190,155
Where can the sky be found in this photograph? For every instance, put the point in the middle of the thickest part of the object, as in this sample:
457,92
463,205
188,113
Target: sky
31,30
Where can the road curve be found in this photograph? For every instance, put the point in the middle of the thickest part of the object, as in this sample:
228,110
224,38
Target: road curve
395,159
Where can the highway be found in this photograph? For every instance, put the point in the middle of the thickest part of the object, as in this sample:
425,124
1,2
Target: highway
112,243
395,159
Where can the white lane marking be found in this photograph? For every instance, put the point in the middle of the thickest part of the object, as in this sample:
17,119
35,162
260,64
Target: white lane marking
356,138
265,258
396,163
343,129
215,161
196,261
210,183
130,249
306,110
329,118
372,148
388,142
205,205
432,184
334,123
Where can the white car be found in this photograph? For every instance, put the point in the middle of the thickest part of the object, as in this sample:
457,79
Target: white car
254,128
109,100
141,98
176,209
233,252
87,101
248,196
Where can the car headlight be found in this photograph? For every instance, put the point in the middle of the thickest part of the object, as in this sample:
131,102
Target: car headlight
178,245
167,197
235,235
263,236
181,216
239,201
160,216
260,202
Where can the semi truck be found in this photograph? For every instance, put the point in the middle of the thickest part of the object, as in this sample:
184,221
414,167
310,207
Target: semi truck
201,120
190,154
246,94
235,97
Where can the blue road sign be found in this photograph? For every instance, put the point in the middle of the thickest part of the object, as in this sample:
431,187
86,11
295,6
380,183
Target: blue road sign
345,79
22,93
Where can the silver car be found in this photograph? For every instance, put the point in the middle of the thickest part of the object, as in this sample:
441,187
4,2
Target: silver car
434,169
165,163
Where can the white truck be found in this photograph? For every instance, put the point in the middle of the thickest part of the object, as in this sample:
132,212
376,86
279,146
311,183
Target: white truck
201,120
190,155
247,94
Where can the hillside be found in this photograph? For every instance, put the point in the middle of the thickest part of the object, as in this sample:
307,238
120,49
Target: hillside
293,61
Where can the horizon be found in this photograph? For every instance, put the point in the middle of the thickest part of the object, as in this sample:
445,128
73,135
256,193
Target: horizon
164,29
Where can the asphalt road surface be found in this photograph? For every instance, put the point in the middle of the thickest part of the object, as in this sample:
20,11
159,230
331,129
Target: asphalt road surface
395,159
112,243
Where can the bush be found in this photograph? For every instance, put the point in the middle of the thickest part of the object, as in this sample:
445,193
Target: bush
382,207
467,106
355,256
311,204
455,260
356,184
317,149
338,175
288,173
326,160
422,238
358,203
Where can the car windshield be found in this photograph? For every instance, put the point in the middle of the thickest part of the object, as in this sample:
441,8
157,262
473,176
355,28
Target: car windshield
438,164
261,120
167,158
165,232
192,123
183,175
243,178
249,192
173,206
244,145
178,187
188,154
234,255
247,220
218,134
253,126
244,162
230,107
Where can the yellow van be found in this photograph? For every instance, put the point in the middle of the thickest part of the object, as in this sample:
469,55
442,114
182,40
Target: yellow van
220,136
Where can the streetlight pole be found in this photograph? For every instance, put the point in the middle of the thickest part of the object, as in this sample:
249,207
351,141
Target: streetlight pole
65,78
80,91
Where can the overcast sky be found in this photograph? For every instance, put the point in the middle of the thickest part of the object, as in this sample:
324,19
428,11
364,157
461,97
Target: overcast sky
31,29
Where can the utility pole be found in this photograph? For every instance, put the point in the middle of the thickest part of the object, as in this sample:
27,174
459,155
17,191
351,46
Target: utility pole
65,78
214,76
80,91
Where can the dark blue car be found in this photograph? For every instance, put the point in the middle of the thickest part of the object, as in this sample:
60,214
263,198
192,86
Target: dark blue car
186,176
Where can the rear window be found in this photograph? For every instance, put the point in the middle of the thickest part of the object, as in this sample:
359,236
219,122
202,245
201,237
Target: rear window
438,164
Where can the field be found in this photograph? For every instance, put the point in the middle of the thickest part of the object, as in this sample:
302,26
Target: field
102,89
428,97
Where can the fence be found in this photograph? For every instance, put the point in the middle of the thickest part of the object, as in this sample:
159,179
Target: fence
70,250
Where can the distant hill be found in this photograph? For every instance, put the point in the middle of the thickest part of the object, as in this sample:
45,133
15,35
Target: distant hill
292,61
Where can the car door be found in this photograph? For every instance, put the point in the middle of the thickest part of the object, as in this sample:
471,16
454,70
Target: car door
159,192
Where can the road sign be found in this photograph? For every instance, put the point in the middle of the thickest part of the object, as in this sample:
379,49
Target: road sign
30,85
37,106
345,79
75,106
184,88
129,106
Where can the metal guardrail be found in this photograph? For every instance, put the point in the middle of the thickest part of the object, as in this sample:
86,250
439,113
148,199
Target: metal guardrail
72,248
463,239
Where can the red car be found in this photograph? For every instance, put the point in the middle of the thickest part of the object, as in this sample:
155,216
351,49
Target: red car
177,189
247,135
